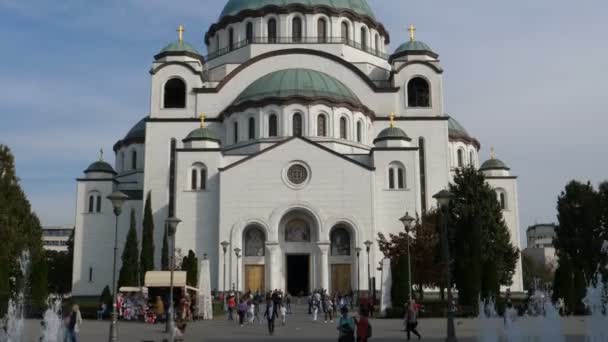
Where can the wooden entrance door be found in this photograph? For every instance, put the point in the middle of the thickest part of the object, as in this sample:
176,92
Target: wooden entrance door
254,278
340,278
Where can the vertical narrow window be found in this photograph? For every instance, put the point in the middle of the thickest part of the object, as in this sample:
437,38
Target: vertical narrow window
251,128
391,178
98,208
322,30
122,161
377,42
343,128
203,179
345,36
400,178
217,41
421,151
471,159
321,126
249,33
272,31
363,39
90,274
175,94
231,39
418,93
272,126
235,130
297,125
296,30
460,158
359,131
91,203
134,160
503,201
194,180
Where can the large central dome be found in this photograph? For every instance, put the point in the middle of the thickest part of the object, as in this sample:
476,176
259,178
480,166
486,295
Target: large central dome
233,7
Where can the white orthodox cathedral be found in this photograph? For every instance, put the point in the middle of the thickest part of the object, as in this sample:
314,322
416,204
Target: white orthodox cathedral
282,142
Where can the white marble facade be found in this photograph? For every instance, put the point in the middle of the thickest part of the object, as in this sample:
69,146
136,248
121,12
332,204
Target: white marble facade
296,178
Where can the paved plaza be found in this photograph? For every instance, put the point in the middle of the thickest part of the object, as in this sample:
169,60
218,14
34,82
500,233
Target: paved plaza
299,328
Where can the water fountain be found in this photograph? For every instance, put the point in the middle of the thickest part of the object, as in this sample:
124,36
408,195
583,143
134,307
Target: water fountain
14,321
52,327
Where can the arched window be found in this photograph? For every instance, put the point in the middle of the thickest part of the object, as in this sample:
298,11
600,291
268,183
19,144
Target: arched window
345,36
471,159
198,177
418,93
297,125
363,38
175,94
194,179
134,160
217,41
376,42
297,231
235,131
272,126
340,242
249,32
343,128
322,30
272,30
396,176
251,128
460,158
503,201
231,39
91,203
359,131
255,241
94,202
321,125
296,29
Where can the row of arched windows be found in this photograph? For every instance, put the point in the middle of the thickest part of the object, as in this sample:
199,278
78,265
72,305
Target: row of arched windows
94,202
123,161
396,176
297,127
418,93
460,158
198,177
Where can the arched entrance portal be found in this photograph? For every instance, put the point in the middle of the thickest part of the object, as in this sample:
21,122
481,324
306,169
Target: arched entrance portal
254,240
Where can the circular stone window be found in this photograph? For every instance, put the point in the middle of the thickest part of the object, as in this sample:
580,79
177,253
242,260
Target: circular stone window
296,175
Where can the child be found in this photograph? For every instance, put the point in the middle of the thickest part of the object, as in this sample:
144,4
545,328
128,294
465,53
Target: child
283,314
251,312
315,310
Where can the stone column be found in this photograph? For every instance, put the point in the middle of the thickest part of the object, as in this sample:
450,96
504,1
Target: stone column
324,260
272,268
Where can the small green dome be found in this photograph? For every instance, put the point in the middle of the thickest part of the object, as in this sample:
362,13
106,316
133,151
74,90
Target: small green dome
100,166
299,83
138,131
413,45
456,130
392,133
179,46
494,164
234,7
202,133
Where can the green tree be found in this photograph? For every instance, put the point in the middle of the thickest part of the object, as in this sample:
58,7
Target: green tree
146,260
533,270
164,257
190,265
106,297
399,290
483,256
59,272
129,271
38,282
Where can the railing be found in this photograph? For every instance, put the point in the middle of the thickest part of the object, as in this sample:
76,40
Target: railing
296,40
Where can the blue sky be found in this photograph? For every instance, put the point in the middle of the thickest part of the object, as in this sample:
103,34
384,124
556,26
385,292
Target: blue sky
525,76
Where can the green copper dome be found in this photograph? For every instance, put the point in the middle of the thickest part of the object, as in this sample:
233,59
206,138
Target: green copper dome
202,133
299,83
179,46
138,131
100,166
456,130
234,7
392,133
494,164
413,45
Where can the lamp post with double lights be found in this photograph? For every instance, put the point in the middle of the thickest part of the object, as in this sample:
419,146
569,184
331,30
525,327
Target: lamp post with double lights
225,245
407,221
237,252
118,199
443,200
358,250
172,223
368,246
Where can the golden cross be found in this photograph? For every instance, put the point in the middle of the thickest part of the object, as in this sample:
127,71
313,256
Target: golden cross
101,154
180,31
202,117
412,30
392,118
492,153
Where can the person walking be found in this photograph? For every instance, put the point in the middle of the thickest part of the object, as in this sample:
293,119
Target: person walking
231,306
411,319
329,309
242,311
346,327
283,314
364,329
315,309
270,314
288,303
73,322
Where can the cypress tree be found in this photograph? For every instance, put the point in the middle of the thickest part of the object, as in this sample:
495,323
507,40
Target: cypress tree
190,265
146,261
164,258
106,297
399,289
38,282
130,268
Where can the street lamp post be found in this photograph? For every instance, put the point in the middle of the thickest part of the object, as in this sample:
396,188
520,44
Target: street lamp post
407,221
118,199
172,223
368,246
358,250
225,245
443,199
237,252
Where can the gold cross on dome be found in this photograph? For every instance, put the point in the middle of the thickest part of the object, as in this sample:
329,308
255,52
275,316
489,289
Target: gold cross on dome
180,33
202,117
392,118
101,154
412,30
492,153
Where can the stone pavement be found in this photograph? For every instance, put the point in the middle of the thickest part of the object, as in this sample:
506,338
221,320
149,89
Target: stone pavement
299,328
